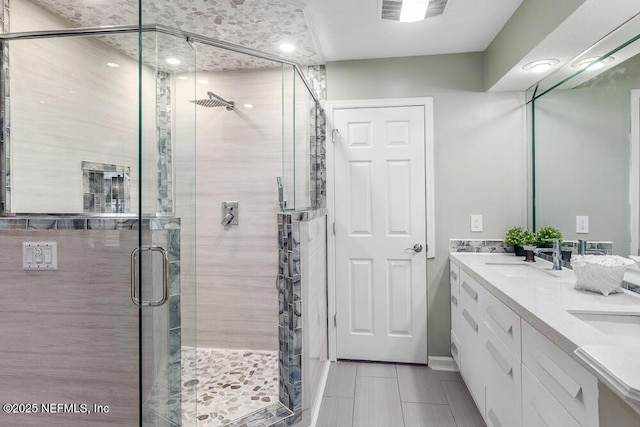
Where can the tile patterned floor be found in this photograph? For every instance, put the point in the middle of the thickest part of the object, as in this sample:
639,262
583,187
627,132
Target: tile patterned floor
364,394
229,384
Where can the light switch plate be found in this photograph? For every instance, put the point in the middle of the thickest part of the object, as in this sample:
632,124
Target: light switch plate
40,255
476,223
582,224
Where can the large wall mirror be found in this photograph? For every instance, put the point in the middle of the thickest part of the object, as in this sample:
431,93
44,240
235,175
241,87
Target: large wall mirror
584,121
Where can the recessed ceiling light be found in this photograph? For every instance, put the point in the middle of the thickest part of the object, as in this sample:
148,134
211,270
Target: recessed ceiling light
172,61
248,105
183,78
203,81
42,102
113,65
540,66
413,10
593,63
287,47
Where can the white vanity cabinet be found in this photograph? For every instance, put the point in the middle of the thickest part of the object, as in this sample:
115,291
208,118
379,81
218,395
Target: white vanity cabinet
472,360
454,276
500,335
517,377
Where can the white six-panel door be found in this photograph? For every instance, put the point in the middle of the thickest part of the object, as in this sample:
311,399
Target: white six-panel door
380,280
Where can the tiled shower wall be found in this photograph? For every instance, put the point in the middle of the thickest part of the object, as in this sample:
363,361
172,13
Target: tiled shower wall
293,357
239,155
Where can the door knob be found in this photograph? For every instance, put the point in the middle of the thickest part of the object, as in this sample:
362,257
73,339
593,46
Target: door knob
416,248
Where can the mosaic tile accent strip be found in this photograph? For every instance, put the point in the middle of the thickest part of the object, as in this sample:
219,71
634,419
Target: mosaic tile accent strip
253,23
62,222
232,388
496,246
291,310
165,144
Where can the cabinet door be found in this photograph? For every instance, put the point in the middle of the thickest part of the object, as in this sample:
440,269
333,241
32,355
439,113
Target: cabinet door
503,405
456,349
503,322
472,355
539,407
454,274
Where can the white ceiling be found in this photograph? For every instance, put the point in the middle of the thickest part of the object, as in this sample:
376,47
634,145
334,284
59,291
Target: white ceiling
352,29
334,30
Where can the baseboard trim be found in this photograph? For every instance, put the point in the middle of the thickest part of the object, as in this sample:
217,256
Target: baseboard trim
442,363
318,403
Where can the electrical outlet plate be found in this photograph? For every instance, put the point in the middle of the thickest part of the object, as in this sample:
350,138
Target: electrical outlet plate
582,224
476,223
40,255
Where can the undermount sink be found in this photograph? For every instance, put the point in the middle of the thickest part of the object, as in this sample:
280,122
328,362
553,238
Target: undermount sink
512,269
617,324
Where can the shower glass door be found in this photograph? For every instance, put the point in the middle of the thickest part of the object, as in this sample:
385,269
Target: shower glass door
164,262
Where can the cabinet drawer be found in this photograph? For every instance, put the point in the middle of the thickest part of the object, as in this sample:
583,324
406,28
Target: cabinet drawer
539,407
455,348
471,293
503,383
503,322
455,314
572,385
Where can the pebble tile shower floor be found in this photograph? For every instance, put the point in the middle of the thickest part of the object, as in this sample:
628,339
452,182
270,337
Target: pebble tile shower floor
229,384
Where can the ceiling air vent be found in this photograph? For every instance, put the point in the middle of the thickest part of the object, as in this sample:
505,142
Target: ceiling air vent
390,9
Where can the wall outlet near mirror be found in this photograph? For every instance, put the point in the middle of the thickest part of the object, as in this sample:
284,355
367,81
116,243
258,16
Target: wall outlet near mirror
582,224
476,223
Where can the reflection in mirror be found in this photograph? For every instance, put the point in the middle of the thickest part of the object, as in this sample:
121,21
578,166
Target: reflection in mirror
582,155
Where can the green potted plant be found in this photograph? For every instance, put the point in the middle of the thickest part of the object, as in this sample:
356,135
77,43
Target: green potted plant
518,237
544,234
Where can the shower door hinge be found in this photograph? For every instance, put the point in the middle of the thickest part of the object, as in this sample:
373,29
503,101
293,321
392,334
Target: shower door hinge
334,228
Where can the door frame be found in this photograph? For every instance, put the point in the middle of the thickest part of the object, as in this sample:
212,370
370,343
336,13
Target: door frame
427,104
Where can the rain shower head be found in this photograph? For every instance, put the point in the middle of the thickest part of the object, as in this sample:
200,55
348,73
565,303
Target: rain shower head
215,101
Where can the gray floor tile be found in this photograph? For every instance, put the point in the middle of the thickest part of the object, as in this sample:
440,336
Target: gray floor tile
335,412
342,379
419,384
377,403
462,406
376,369
447,375
423,414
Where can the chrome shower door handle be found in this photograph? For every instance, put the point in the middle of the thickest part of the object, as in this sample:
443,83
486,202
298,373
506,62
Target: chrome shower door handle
416,248
165,276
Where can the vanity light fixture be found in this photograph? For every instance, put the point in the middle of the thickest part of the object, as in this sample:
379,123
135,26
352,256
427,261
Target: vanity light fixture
413,10
287,47
172,61
540,66
593,63
113,65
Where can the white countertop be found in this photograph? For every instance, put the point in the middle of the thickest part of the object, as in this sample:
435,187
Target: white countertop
545,304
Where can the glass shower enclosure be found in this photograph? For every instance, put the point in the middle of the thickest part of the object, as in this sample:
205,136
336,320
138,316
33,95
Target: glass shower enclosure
99,218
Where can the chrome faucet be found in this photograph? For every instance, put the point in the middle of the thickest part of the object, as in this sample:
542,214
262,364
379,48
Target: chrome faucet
555,252
582,247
